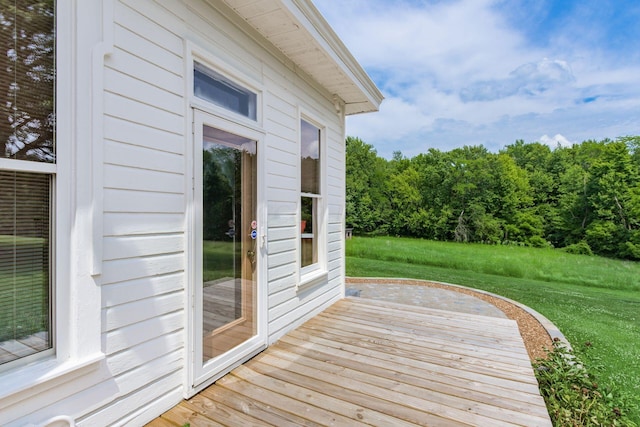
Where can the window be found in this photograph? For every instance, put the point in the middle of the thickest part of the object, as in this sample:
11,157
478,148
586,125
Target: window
310,193
214,87
27,175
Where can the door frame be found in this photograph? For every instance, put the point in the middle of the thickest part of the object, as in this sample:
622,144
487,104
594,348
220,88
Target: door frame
200,375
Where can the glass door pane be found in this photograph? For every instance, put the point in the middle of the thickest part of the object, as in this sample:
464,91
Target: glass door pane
229,232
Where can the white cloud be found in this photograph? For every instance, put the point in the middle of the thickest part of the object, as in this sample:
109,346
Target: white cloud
531,79
556,141
456,73
395,121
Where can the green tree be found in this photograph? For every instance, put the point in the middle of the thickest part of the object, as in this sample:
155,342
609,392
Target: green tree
527,193
27,69
367,204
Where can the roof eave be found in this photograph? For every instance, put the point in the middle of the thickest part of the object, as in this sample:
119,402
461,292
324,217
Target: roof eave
335,69
345,60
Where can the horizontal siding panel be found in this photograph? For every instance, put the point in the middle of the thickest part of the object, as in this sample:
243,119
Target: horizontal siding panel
337,177
283,295
282,246
138,311
280,99
336,236
285,316
141,70
68,396
145,353
119,247
130,178
334,227
336,207
284,134
278,285
283,258
281,150
281,220
283,195
131,42
146,287
150,410
212,30
336,159
333,259
282,164
335,193
147,115
129,336
163,17
283,208
337,169
334,266
334,246
130,87
123,224
281,272
145,27
279,114
136,134
336,186
282,233
142,201
282,182
135,268
131,394
144,158
286,85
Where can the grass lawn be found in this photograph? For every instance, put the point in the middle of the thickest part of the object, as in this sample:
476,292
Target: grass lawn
218,260
24,287
594,301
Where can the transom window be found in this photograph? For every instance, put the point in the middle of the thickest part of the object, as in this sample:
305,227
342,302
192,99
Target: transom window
27,175
221,91
310,192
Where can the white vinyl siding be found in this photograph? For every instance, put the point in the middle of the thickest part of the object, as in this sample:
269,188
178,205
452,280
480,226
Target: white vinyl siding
147,127
143,280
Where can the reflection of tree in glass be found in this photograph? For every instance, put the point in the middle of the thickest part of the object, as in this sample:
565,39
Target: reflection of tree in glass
27,80
218,183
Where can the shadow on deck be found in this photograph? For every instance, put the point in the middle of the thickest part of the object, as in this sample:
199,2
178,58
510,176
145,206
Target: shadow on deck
366,362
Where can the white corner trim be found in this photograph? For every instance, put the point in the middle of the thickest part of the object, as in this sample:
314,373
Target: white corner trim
98,54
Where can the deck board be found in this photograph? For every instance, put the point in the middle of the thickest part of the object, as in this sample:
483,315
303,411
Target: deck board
364,362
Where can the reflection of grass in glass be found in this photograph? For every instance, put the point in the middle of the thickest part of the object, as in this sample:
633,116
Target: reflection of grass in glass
24,290
218,260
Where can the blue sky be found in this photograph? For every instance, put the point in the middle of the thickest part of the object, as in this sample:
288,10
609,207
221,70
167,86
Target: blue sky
471,72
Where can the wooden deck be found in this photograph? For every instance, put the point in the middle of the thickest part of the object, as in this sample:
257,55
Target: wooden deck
366,362
25,346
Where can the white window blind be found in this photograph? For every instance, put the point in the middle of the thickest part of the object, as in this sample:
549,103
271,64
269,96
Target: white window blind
27,129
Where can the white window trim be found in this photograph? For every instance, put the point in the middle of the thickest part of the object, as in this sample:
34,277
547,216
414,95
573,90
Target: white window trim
314,274
76,310
196,53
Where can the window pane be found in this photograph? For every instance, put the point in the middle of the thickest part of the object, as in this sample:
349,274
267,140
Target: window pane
308,227
310,158
214,87
25,310
27,81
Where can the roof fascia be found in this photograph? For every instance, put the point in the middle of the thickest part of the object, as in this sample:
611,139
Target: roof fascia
309,16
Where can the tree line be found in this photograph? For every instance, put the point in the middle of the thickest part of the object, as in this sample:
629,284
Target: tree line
584,198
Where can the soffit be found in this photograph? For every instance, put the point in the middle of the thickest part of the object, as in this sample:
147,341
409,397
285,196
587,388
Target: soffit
298,30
